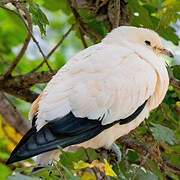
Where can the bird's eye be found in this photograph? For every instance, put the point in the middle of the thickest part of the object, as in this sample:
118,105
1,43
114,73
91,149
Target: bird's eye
148,43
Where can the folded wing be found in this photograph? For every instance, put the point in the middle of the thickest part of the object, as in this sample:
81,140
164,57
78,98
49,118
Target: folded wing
63,132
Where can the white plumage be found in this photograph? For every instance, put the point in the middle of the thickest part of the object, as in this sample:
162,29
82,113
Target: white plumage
107,81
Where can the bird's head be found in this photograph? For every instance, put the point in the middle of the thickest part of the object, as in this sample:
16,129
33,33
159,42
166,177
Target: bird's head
138,36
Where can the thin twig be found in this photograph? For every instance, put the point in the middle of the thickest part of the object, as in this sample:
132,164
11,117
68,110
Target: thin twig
82,38
23,49
60,42
85,29
125,158
10,10
55,47
8,63
18,57
19,6
101,5
174,82
60,173
4,60
141,164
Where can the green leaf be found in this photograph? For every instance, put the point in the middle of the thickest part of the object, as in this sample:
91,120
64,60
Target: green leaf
162,133
169,12
148,175
38,17
68,157
12,31
54,5
176,71
100,28
59,61
142,19
92,154
45,174
155,169
132,155
69,173
168,33
4,171
143,173
4,155
19,176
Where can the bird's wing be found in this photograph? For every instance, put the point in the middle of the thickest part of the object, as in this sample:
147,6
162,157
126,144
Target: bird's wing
106,83
91,93
63,132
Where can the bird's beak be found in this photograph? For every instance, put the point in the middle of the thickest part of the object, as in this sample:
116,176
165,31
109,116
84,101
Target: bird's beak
164,52
167,53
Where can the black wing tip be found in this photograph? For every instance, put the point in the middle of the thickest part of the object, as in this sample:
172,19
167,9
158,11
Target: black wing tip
13,158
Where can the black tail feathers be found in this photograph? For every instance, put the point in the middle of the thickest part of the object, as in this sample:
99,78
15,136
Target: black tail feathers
62,132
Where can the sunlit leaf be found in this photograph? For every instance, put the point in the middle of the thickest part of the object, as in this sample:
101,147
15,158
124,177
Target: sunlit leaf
38,17
95,163
108,169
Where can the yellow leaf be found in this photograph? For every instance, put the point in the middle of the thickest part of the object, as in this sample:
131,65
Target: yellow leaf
80,165
11,133
178,103
88,176
1,129
108,169
168,2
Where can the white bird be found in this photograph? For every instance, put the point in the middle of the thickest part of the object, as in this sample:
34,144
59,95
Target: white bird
101,94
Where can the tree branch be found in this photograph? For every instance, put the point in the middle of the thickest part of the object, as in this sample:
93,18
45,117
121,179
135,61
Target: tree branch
12,116
18,57
23,49
24,94
82,38
85,29
26,80
3,7
19,6
174,82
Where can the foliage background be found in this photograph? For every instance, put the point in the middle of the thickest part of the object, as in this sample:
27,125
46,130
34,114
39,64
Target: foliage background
152,151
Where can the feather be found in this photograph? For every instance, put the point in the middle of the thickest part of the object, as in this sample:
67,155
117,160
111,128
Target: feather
63,132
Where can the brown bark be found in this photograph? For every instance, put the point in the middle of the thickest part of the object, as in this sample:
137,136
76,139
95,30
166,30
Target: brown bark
174,82
26,80
12,116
